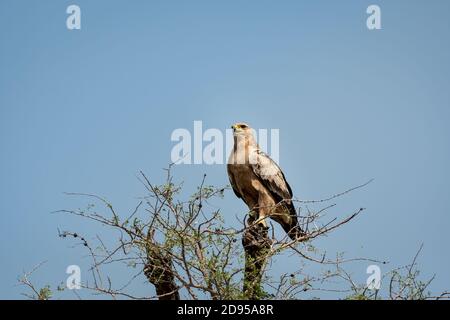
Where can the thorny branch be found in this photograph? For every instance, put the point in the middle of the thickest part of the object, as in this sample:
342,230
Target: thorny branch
184,249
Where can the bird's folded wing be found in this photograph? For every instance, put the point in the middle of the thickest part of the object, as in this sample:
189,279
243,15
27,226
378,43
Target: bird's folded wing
271,175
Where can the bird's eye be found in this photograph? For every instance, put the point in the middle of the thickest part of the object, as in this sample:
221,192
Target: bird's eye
243,126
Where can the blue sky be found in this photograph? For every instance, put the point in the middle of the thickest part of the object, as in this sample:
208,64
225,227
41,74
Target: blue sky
85,110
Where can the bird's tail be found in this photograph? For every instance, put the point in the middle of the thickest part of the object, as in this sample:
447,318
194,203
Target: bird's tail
296,233
293,229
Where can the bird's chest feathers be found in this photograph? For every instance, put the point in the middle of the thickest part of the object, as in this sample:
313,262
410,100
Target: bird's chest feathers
244,152
247,182
243,161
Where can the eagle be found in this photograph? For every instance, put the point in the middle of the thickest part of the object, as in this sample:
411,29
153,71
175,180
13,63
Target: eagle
260,183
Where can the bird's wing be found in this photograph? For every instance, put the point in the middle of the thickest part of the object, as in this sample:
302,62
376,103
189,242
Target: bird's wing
271,175
232,180
273,178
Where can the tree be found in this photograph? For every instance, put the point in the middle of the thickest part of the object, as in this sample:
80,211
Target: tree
186,250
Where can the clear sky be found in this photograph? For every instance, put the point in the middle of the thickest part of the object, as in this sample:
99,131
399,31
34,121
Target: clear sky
85,110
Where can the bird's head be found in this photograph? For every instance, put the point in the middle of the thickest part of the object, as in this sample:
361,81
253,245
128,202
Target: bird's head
241,129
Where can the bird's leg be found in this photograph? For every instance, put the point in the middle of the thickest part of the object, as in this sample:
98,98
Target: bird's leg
264,210
255,218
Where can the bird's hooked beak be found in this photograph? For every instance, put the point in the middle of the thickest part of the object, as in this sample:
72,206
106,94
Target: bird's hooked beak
239,128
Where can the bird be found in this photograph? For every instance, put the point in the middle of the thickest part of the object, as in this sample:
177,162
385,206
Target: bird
259,182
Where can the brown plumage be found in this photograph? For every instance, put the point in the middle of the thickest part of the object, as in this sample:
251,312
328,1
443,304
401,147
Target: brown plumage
260,183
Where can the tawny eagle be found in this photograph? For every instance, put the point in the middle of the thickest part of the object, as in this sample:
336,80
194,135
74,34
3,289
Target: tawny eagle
260,183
